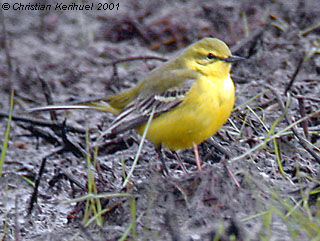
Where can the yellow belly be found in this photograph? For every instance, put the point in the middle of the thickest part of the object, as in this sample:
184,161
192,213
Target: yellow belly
204,110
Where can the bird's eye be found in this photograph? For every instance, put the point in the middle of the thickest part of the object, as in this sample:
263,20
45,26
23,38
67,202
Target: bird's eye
211,56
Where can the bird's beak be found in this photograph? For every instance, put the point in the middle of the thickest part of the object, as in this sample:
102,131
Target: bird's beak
234,58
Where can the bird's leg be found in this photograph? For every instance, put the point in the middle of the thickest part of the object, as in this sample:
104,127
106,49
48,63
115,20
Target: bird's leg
160,156
196,153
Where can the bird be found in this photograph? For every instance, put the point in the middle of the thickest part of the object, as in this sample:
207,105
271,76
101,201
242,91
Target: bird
190,97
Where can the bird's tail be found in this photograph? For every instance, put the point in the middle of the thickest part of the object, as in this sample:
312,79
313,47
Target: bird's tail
95,104
112,103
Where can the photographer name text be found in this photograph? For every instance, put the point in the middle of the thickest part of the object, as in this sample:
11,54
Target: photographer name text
59,6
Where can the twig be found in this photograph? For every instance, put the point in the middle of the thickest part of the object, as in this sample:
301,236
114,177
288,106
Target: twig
136,58
61,132
306,98
181,164
301,141
219,147
303,114
68,145
276,135
115,75
233,177
45,123
66,175
309,29
293,78
38,132
250,43
34,195
48,95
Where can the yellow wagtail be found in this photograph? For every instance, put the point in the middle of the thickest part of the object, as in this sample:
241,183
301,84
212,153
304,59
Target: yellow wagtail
192,96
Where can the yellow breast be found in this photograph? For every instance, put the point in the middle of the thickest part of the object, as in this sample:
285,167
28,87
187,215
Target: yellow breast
204,110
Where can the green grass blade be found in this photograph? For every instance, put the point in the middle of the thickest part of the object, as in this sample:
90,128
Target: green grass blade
6,135
139,149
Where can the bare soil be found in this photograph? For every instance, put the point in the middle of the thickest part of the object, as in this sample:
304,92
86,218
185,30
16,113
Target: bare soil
65,56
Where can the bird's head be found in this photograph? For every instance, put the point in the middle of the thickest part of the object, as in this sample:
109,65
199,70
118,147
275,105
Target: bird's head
210,56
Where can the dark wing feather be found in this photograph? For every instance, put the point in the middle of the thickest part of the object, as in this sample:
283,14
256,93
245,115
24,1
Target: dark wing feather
139,110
